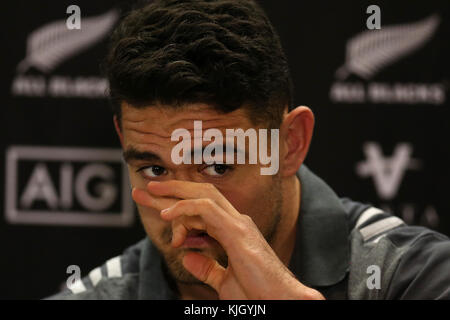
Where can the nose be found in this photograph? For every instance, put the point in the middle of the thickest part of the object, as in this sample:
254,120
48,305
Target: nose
183,174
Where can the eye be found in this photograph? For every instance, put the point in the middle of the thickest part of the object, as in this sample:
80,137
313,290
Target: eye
216,169
152,171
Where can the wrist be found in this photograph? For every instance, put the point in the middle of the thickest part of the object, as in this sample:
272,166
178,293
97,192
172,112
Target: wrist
306,293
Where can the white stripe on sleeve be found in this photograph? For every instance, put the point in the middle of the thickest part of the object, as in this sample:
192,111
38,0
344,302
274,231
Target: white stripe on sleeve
95,275
114,268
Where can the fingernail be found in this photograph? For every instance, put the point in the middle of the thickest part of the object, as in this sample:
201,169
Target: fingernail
164,211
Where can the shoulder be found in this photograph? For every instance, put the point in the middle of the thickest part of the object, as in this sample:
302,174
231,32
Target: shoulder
117,278
413,261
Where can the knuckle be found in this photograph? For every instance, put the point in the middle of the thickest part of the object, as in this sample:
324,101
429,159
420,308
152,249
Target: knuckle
210,187
206,202
208,272
180,205
244,222
247,220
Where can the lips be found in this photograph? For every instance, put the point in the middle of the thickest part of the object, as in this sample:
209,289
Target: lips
197,239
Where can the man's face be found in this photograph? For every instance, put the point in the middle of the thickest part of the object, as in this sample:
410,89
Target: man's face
148,131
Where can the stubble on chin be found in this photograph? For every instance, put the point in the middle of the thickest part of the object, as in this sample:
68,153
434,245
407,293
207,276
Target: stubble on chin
174,258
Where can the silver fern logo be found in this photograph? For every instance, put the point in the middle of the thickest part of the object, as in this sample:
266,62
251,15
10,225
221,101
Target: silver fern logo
369,52
53,43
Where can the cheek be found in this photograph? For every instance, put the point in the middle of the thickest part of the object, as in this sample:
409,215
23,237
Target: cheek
136,180
152,222
252,199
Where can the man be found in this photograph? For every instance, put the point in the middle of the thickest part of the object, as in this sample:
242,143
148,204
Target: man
221,229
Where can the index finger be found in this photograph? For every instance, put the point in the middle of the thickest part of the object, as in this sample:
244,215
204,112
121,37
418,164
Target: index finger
189,190
144,198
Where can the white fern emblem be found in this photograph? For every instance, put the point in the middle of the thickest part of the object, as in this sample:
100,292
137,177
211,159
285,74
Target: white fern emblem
53,43
370,51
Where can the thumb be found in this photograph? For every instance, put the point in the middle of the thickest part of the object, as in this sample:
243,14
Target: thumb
205,269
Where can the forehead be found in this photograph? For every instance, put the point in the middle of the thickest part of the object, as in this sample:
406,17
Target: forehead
159,121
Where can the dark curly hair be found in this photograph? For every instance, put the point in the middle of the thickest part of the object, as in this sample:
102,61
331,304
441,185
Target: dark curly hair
224,53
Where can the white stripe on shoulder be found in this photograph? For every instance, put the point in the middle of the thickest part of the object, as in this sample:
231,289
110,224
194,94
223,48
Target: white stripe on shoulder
95,275
379,227
114,268
376,240
367,214
77,287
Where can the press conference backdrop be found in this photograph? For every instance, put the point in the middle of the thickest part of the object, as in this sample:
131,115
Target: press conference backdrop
380,98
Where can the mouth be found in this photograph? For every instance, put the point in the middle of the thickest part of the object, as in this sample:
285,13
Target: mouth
198,239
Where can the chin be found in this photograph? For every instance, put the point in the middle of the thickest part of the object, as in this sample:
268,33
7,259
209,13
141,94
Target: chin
174,261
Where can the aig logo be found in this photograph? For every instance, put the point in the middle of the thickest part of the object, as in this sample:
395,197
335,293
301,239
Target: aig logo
67,186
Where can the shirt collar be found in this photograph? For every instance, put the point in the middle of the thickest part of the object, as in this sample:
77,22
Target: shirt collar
154,282
321,252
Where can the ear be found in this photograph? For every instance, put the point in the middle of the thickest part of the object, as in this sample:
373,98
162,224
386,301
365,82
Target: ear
295,137
118,130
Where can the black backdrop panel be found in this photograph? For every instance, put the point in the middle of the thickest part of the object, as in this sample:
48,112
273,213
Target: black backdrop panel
380,98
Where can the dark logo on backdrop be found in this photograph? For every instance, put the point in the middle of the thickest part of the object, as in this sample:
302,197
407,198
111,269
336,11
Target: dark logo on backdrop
388,173
51,45
67,186
371,51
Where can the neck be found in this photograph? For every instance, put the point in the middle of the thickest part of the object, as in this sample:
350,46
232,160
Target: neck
283,241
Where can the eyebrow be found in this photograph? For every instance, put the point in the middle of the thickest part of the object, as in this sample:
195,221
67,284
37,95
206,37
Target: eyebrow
132,153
